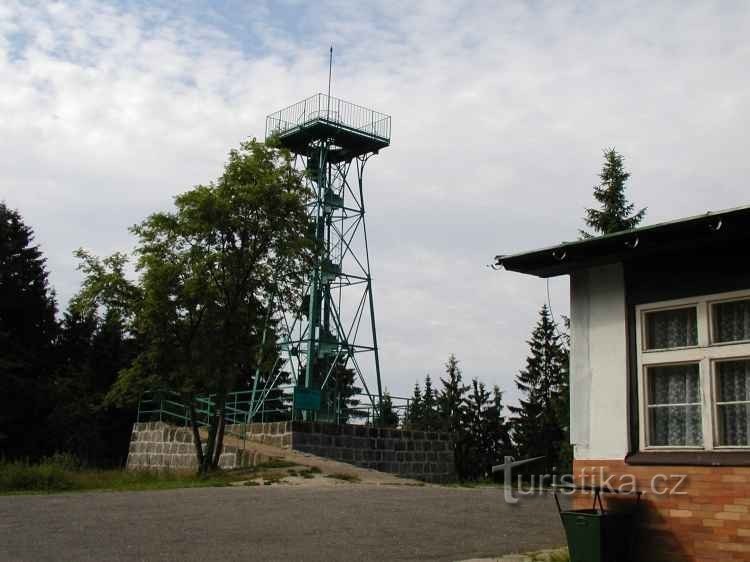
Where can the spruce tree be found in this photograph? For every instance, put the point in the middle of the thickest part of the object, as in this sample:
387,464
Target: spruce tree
430,416
92,350
452,410
28,330
498,432
616,212
451,399
388,416
415,414
487,437
478,440
339,396
537,429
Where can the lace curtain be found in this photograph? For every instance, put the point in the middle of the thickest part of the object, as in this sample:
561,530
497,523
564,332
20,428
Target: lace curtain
733,385
731,321
672,328
679,424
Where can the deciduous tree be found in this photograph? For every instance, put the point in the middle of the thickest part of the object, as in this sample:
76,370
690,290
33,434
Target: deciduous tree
208,270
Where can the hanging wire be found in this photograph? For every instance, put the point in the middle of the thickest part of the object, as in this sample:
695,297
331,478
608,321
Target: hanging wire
552,314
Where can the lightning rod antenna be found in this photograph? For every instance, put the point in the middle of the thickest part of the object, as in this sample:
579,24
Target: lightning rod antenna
330,72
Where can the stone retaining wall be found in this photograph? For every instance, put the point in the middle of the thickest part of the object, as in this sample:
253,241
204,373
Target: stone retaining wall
158,445
412,454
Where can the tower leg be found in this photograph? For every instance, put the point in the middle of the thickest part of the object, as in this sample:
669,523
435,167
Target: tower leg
360,170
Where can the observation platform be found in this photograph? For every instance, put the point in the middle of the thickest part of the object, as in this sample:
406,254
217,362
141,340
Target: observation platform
354,130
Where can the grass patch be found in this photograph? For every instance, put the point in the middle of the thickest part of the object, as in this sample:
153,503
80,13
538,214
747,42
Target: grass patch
344,477
51,475
551,556
307,473
43,477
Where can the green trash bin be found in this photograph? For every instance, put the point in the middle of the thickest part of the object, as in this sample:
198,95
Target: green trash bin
597,535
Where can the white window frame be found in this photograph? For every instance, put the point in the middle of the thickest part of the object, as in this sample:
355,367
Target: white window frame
706,354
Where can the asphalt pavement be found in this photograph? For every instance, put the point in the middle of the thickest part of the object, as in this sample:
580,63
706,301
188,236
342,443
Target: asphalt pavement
344,522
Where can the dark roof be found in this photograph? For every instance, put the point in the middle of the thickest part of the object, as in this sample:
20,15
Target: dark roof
721,227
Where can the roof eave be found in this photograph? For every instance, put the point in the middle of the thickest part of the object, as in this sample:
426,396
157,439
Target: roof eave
613,248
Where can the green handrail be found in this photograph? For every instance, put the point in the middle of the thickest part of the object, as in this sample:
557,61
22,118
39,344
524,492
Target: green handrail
168,406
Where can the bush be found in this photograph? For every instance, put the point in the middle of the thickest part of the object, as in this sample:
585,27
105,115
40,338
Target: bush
20,476
66,461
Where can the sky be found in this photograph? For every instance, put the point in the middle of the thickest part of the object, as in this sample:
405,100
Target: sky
500,113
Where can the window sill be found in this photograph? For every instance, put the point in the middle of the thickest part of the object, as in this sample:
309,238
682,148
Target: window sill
689,458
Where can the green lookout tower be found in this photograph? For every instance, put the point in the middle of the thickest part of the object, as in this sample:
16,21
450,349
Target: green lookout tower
332,334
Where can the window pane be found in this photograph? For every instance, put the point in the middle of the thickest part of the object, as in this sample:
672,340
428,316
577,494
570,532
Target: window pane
672,425
733,383
731,321
678,426
672,328
734,425
674,384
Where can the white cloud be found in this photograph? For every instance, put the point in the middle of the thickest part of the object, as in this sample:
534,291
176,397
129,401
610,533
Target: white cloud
500,112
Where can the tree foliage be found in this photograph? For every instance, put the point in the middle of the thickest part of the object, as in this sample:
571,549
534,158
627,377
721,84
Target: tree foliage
472,415
340,392
616,213
538,427
92,350
414,414
451,400
28,332
208,273
430,416
487,435
387,416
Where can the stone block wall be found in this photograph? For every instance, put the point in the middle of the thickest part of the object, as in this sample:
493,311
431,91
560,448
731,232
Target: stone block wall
421,455
412,454
160,446
276,434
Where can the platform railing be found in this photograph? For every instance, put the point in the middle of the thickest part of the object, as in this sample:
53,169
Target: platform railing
247,406
321,107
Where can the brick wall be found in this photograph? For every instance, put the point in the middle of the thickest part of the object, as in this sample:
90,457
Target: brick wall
709,523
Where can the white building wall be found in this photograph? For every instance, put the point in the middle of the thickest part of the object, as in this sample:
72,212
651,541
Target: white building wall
598,378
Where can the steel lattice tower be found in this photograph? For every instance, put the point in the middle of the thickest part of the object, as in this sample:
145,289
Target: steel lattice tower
334,327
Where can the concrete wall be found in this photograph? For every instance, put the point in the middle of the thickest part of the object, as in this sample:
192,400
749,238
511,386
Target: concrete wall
599,377
160,446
